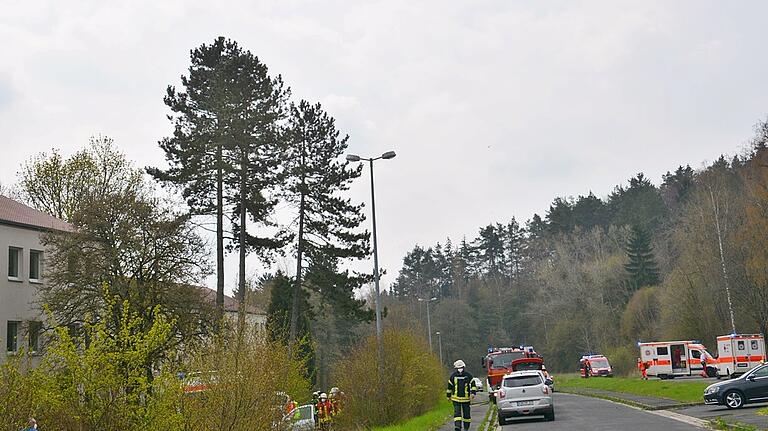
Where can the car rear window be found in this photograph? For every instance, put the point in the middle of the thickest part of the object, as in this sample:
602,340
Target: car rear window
521,381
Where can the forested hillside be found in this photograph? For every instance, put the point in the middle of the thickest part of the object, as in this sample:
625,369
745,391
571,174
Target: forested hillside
687,259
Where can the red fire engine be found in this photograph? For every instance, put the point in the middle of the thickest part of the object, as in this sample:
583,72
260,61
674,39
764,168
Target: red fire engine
504,360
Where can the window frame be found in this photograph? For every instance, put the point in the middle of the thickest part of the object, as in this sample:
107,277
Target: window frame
19,254
661,349
34,331
39,266
12,340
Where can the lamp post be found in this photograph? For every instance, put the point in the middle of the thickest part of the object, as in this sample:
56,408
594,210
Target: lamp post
355,158
429,324
440,344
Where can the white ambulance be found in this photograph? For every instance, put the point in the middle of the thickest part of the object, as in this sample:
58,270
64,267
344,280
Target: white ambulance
739,353
670,359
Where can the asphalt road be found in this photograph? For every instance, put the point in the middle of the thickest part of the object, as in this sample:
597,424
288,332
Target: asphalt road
577,413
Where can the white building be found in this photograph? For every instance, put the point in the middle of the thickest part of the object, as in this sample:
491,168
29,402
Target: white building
22,256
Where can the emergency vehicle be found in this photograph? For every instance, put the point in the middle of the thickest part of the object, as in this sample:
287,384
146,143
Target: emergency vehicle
670,359
739,353
499,362
598,366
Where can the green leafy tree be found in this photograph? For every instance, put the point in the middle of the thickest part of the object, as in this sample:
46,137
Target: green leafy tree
328,223
147,254
62,187
100,380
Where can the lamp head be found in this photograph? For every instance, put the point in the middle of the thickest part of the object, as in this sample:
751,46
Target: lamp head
388,155
353,158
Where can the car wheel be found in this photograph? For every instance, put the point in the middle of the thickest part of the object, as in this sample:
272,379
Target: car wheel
733,399
502,421
550,416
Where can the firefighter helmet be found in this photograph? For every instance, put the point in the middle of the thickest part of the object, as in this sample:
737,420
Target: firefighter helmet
459,364
323,396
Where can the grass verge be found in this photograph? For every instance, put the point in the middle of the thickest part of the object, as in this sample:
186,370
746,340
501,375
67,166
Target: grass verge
682,391
720,424
488,420
429,421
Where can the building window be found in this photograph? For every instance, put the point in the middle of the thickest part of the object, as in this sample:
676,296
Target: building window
35,265
14,262
12,336
34,336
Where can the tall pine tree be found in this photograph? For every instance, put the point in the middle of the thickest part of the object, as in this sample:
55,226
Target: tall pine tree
328,222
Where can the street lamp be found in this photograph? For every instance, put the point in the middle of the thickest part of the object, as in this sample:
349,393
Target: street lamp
429,325
440,344
355,158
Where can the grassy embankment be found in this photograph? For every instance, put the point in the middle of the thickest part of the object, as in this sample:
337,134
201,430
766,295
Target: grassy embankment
432,420
429,421
687,391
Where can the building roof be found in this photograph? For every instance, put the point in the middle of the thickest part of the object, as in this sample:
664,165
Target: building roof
230,304
18,214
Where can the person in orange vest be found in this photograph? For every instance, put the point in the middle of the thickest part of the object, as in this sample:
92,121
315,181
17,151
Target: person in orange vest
290,405
645,366
324,412
337,400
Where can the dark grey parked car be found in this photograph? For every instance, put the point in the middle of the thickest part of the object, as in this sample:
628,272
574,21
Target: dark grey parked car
751,387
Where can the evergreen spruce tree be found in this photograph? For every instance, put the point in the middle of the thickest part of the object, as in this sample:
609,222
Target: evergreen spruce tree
514,246
279,317
490,251
641,269
560,216
328,223
589,211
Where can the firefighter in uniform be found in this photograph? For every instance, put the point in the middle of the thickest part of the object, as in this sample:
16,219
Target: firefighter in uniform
324,412
461,390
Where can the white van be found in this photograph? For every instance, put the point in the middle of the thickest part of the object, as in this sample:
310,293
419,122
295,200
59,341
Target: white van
670,359
739,353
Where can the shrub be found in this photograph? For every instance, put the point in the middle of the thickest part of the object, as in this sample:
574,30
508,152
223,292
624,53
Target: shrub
623,359
412,381
17,393
245,375
105,380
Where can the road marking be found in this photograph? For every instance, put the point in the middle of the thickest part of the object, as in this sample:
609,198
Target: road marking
701,423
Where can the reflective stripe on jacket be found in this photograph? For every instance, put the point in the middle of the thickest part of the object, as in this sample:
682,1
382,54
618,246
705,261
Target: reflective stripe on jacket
460,387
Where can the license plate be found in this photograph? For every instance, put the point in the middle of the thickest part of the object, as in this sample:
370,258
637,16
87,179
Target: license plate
525,403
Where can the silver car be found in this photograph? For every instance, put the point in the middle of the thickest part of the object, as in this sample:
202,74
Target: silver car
525,393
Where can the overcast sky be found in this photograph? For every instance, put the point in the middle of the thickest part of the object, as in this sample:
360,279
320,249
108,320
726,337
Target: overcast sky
493,107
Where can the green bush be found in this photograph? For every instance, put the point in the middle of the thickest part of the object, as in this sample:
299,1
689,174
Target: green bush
623,360
17,393
245,375
412,381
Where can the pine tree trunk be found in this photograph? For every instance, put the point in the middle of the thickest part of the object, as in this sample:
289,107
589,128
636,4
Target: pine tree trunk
219,230
242,236
293,331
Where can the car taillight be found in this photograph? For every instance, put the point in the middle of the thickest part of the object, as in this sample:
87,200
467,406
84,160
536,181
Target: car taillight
502,393
545,390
